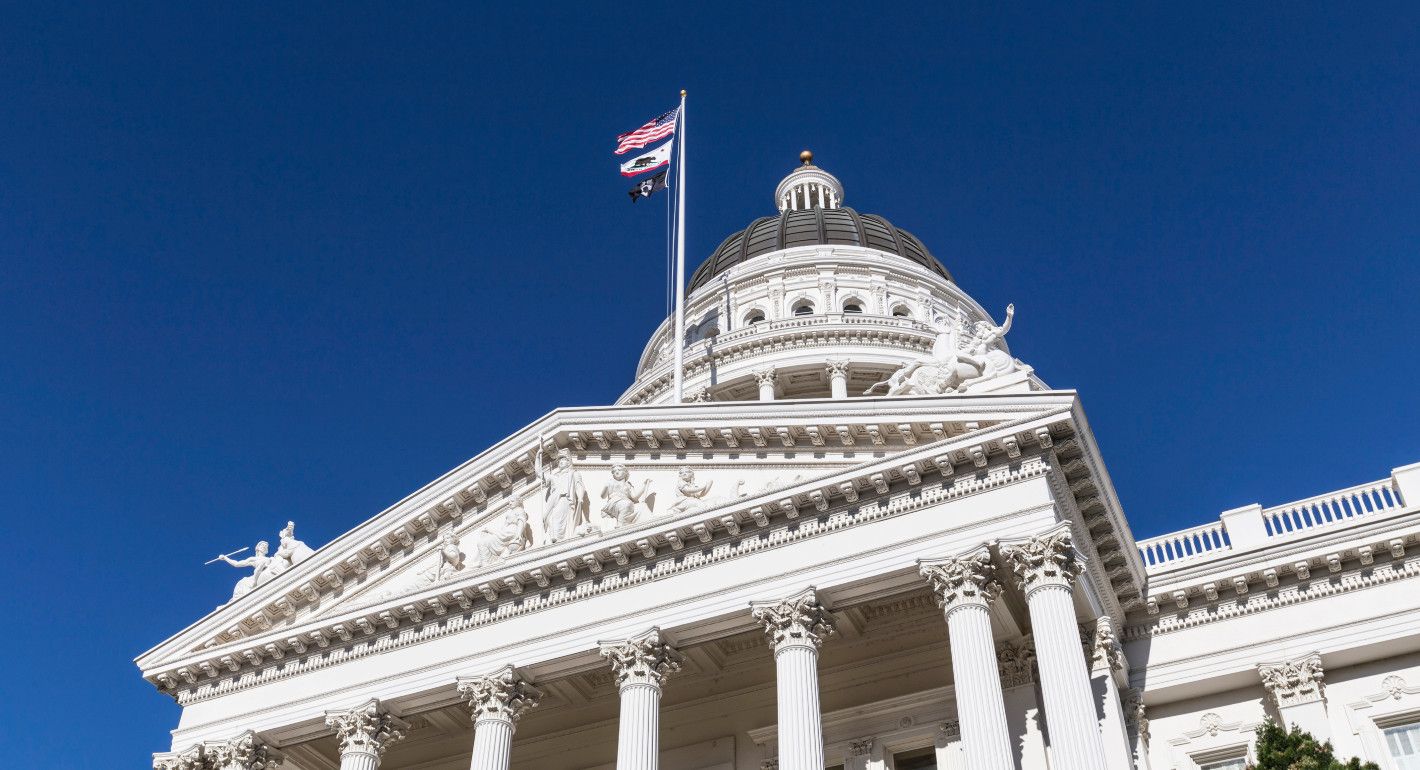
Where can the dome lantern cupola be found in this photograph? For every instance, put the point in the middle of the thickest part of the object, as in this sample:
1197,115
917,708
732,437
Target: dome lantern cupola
808,187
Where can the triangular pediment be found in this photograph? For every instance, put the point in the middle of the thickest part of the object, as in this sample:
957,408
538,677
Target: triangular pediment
741,451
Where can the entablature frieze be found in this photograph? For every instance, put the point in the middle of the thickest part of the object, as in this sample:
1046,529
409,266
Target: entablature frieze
580,569
1285,580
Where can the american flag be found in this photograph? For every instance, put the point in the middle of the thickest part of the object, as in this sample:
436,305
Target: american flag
654,131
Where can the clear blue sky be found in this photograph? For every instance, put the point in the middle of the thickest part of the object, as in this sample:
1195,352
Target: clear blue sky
260,263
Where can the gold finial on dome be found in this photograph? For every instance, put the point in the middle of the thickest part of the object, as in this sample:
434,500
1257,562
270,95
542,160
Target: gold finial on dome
806,157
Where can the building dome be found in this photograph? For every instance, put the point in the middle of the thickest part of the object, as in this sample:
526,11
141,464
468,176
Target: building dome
818,301
818,225
811,212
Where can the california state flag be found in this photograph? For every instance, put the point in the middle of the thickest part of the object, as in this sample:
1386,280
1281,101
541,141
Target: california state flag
657,158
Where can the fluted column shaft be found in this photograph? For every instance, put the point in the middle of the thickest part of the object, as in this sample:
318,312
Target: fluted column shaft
1047,566
492,744
797,626
641,664
1064,683
800,726
359,760
981,708
638,742
965,585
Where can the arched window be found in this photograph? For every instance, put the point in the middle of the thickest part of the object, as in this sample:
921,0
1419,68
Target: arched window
754,316
853,306
901,311
803,307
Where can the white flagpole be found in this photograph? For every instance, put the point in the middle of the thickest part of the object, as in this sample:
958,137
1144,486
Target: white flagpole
680,260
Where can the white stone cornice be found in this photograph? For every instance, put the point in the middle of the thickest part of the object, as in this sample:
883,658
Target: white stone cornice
1355,574
366,729
798,620
357,624
960,581
503,695
642,660
1293,682
465,491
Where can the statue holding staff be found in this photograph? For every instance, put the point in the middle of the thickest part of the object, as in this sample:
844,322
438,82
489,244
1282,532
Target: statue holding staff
566,507
261,569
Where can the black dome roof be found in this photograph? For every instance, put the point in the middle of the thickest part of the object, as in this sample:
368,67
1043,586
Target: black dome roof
815,226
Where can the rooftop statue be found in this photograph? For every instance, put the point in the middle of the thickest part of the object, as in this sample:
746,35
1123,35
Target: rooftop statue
961,354
260,563
289,553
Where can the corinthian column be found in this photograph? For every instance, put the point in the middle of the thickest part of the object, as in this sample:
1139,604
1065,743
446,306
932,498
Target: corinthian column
797,627
364,733
244,752
498,700
838,377
1046,566
1296,689
765,378
1107,661
965,586
641,665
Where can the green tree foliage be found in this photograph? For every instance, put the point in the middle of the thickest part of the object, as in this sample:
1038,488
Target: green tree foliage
1281,749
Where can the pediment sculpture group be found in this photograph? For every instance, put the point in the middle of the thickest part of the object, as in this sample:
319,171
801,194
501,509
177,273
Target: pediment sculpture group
566,514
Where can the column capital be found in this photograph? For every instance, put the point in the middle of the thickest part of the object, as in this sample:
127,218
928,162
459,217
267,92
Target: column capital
191,758
1102,647
764,376
504,694
1016,663
1135,716
244,752
366,729
837,366
1293,682
798,621
962,581
1045,560
861,747
645,659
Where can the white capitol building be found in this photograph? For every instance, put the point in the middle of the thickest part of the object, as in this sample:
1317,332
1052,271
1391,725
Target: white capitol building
788,572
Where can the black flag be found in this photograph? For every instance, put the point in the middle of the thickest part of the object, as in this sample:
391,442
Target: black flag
645,187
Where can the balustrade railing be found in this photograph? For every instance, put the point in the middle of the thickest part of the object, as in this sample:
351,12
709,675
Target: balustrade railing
1187,545
1330,509
1278,524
